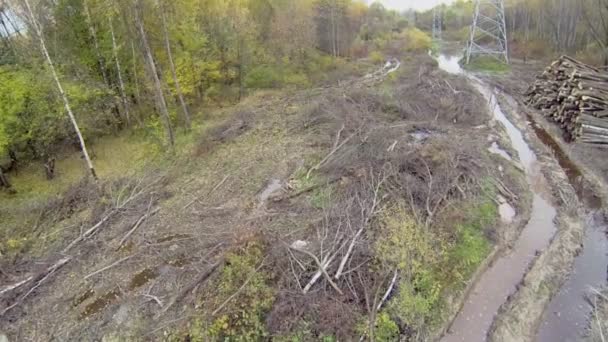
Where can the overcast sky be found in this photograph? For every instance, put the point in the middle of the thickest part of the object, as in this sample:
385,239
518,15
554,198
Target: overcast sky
407,4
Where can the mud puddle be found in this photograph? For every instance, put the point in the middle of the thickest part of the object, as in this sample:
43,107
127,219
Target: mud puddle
500,280
566,317
574,174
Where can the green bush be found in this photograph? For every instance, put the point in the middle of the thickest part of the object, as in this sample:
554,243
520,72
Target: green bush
416,40
377,57
296,79
263,77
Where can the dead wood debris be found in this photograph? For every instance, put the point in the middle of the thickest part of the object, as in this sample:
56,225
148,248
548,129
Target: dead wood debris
41,279
199,279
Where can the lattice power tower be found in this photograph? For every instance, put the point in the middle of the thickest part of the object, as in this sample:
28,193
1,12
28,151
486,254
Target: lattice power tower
489,31
437,22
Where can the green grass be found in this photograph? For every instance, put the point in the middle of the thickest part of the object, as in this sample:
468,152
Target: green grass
488,64
113,157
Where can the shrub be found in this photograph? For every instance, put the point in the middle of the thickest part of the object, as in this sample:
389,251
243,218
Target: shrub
409,247
243,316
377,57
416,40
263,77
296,79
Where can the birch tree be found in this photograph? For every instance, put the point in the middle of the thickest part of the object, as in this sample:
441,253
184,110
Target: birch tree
64,97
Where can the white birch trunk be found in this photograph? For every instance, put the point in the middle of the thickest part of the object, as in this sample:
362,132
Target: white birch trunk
64,97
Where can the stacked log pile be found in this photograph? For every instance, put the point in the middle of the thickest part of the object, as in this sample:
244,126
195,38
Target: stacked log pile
575,96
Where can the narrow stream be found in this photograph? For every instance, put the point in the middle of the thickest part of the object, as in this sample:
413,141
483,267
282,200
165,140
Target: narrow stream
566,316
493,288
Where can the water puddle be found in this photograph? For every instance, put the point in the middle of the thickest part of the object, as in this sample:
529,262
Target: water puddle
500,280
574,174
450,64
566,317
420,135
142,278
100,303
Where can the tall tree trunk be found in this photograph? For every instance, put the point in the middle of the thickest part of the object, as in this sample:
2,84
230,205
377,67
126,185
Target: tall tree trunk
64,97
4,183
160,97
100,61
121,84
240,59
135,78
178,89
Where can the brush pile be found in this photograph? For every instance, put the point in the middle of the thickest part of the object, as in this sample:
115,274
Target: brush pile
575,96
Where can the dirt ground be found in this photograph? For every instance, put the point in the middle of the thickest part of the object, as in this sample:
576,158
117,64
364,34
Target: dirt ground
214,235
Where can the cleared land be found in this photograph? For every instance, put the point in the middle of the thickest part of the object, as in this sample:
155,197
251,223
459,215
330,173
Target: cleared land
335,212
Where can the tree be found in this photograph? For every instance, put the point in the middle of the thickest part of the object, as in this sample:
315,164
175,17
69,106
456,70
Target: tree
39,34
121,83
596,17
152,72
178,89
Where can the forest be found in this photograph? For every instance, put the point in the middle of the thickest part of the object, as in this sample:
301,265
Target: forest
150,66
298,170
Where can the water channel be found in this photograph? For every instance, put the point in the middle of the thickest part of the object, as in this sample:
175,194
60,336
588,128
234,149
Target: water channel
567,314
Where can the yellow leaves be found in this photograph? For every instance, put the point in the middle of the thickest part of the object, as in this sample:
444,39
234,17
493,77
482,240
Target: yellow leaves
403,243
416,40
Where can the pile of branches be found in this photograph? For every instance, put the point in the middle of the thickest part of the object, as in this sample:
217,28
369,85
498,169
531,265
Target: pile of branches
574,95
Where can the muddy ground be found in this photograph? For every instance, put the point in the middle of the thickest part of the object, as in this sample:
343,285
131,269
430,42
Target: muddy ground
578,174
204,246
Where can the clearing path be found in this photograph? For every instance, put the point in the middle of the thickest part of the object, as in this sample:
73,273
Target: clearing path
566,316
501,279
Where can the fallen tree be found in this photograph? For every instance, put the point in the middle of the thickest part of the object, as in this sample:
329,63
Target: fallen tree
575,96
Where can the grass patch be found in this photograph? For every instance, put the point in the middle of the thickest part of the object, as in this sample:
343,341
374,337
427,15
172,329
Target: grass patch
488,64
113,157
